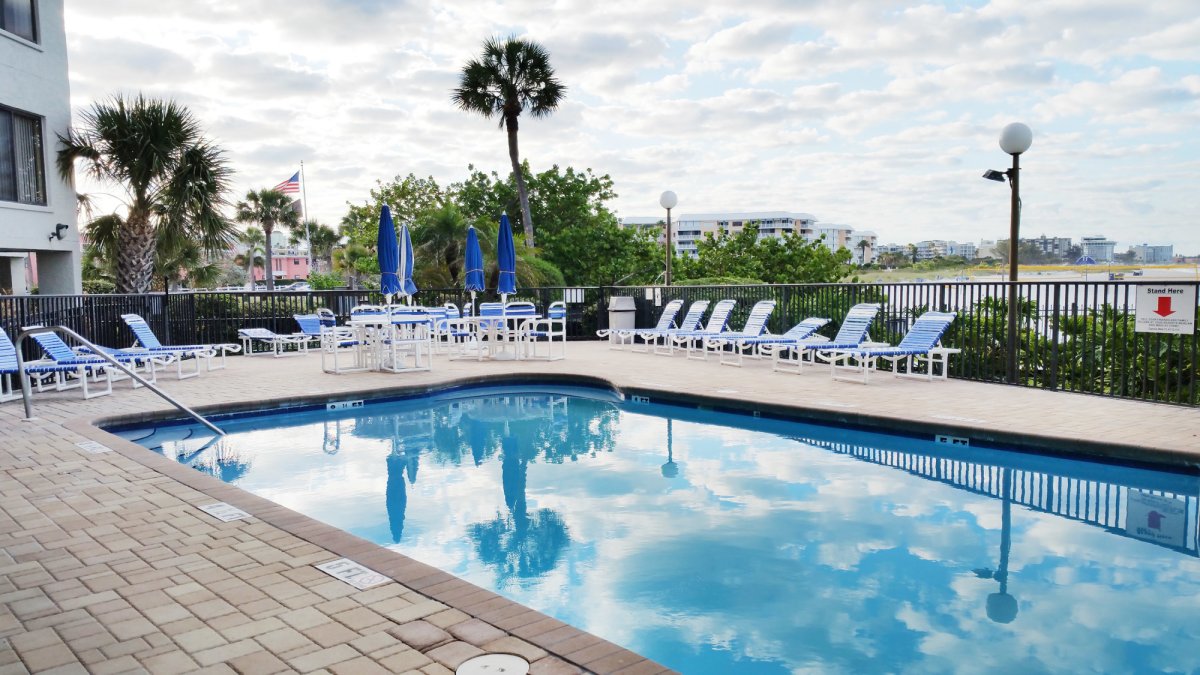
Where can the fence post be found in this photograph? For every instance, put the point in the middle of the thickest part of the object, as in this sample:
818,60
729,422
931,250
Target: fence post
1054,320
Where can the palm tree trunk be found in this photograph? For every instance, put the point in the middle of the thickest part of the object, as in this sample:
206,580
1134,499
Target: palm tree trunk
269,272
135,263
511,124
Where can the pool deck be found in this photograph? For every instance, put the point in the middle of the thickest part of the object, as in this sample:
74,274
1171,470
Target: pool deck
107,565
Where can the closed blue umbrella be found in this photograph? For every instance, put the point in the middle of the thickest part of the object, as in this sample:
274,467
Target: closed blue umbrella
474,264
389,255
506,259
407,287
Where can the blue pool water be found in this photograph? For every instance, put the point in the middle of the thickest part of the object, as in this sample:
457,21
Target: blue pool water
722,543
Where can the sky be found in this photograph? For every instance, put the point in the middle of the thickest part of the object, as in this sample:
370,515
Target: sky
878,115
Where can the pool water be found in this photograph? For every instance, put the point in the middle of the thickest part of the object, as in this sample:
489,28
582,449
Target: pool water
722,543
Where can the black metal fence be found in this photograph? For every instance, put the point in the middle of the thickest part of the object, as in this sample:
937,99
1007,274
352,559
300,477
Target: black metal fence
1073,336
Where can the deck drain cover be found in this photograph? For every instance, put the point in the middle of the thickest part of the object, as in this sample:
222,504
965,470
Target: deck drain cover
494,664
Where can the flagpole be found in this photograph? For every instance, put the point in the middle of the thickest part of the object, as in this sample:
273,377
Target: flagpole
304,209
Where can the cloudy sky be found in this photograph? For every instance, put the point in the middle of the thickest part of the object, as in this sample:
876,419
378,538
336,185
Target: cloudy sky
879,115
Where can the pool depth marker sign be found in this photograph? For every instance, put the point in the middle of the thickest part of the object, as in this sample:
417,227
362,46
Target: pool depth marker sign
1166,309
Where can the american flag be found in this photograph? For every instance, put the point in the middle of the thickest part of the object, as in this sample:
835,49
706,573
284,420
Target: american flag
289,186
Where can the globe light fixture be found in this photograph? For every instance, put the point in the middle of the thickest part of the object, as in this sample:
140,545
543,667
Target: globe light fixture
668,200
1015,139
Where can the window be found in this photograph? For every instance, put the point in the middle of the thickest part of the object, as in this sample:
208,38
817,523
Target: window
22,167
17,18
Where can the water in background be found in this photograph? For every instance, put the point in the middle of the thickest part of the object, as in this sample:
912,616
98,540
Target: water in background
717,543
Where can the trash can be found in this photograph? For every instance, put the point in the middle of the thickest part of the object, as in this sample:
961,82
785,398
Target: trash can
622,314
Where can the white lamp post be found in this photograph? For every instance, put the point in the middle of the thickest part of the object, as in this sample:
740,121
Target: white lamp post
1014,140
668,200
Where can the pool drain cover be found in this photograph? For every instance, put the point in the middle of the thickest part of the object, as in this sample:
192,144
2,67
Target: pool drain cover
494,664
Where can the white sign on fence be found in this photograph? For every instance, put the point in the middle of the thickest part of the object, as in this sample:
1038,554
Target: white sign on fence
573,296
1161,520
352,573
1166,309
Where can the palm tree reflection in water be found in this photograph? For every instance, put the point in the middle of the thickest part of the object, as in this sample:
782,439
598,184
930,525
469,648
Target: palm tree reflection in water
519,543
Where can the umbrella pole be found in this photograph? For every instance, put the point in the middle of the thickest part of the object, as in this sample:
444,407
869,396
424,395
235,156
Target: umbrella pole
472,303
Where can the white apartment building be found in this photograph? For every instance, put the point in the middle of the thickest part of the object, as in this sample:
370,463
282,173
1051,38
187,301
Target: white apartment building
1147,253
37,208
1098,248
940,248
689,228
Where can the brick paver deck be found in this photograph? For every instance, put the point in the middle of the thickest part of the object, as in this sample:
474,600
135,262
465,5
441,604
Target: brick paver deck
108,566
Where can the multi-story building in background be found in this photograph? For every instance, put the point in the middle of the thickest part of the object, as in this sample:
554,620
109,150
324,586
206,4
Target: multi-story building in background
1146,253
1098,248
689,228
37,207
1059,247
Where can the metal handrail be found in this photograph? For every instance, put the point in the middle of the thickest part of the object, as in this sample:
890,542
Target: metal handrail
26,389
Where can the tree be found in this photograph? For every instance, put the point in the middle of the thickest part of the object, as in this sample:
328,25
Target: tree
407,197
792,259
579,234
255,244
173,178
321,241
268,208
863,245
176,259
353,260
511,76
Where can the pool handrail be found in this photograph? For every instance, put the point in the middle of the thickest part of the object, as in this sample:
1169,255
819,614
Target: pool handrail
27,393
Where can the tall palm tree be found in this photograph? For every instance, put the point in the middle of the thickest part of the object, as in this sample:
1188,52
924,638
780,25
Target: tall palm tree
255,244
174,180
863,245
268,208
509,77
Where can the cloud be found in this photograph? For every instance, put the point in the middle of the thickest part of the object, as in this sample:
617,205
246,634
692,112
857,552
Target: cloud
802,105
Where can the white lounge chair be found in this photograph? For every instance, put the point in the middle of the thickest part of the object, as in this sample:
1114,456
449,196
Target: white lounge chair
619,337
920,343
200,352
756,325
760,345
715,326
653,338
853,331
277,344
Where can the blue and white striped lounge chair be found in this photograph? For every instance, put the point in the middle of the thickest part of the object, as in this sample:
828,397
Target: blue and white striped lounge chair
854,330
920,343
619,337
547,330
715,326
756,325
276,344
148,340
85,366
43,371
654,339
760,344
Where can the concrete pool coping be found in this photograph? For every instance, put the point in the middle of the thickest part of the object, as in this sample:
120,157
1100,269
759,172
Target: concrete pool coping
39,461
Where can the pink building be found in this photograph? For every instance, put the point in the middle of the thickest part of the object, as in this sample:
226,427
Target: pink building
288,266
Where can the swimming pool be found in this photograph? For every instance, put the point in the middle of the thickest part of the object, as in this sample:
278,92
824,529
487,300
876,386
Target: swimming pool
714,542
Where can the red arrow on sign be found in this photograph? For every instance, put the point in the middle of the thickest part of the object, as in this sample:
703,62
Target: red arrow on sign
1164,306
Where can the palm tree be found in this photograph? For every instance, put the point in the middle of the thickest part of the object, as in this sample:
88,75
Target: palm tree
255,244
347,259
321,240
174,180
863,245
175,259
268,208
511,76
439,239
